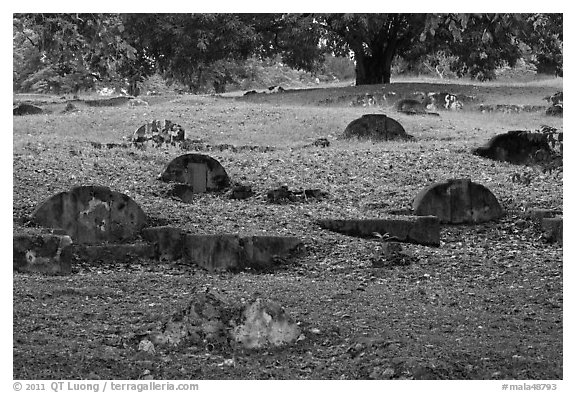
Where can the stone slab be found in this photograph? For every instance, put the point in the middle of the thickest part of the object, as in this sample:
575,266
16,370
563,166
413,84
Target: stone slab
214,252
168,242
43,253
118,253
231,252
411,229
260,251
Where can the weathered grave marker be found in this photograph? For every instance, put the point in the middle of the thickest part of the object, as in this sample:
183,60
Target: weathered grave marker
92,214
24,108
154,131
516,147
457,201
377,127
201,172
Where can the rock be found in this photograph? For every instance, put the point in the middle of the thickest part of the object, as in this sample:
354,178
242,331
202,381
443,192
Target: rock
241,192
457,201
168,242
212,322
391,255
137,102
43,253
376,127
204,321
284,195
275,89
92,214
230,252
201,172
411,106
146,346
184,192
553,229
158,134
321,142
114,101
24,108
70,107
510,108
444,101
556,98
516,147
366,100
279,195
265,323
555,110
538,215
410,229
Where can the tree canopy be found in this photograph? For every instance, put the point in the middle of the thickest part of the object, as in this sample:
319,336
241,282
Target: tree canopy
71,51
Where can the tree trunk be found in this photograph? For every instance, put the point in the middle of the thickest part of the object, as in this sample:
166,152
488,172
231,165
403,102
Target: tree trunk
375,69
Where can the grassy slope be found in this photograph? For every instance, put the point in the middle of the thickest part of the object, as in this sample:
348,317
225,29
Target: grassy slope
486,304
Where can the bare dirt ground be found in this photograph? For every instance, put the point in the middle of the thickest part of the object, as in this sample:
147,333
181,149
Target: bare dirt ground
486,304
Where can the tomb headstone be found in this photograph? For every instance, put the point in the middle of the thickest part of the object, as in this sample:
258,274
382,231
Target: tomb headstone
457,201
376,127
92,214
26,109
201,172
155,131
516,147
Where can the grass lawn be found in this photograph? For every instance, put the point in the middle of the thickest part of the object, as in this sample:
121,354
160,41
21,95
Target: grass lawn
486,304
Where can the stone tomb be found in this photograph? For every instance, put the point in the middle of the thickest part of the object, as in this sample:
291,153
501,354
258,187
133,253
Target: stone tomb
155,131
25,108
42,252
515,147
410,229
91,215
457,201
212,321
376,127
201,172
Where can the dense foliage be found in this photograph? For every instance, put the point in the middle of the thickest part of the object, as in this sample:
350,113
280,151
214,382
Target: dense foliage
67,52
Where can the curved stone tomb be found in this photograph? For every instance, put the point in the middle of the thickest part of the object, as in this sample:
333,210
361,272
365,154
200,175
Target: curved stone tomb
516,147
376,127
201,172
446,101
169,133
24,108
92,214
457,201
